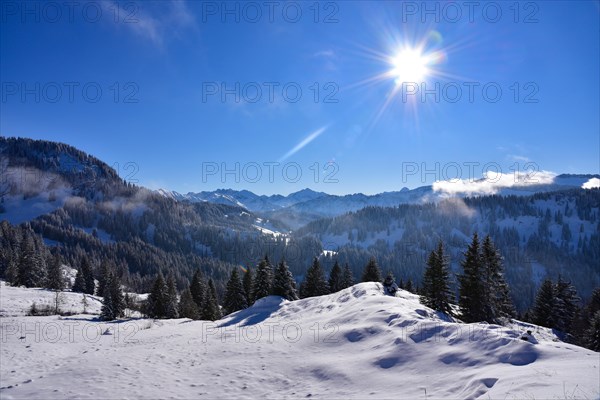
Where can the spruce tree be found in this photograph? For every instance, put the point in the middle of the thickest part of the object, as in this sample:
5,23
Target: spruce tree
566,306
248,283
55,280
213,294
116,293
371,273
79,284
435,290
157,299
12,271
263,282
544,306
593,333
471,292
409,286
32,266
348,278
284,284
235,298
113,304
315,283
336,278
594,304
187,305
89,285
107,312
198,289
102,274
171,304
497,301
211,310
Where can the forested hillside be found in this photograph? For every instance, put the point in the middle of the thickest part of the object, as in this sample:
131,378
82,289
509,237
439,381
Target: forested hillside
80,206
545,234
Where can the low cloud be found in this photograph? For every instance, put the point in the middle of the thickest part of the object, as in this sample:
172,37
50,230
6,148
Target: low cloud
492,183
29,181
593,183
455,206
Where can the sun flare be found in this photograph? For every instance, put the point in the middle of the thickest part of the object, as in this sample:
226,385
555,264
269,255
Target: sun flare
410,65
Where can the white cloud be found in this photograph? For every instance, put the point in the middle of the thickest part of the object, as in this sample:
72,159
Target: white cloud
153,22
591,184
492,183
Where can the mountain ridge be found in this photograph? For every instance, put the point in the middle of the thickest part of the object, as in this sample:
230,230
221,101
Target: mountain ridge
306,205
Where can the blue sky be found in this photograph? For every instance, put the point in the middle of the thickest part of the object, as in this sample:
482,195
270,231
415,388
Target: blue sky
162,66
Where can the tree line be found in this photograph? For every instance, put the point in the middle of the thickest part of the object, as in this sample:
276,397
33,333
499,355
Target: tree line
484,295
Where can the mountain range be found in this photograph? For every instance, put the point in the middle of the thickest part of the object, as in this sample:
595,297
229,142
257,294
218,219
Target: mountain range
299,208
80,206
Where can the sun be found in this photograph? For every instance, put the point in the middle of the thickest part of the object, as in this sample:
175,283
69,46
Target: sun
410,65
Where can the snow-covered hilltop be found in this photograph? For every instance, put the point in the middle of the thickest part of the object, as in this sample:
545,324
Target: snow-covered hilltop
356,343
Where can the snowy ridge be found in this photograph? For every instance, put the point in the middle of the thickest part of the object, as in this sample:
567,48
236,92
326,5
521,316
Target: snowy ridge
356,343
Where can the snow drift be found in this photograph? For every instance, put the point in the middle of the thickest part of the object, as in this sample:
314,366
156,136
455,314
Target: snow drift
356,343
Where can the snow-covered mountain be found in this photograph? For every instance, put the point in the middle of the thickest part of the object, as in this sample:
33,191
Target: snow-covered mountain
357,343
245,198
305,206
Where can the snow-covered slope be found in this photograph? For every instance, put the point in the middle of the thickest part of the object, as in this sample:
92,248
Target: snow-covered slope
357,343
17,301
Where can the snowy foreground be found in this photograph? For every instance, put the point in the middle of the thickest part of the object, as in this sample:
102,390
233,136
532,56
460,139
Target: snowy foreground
357,343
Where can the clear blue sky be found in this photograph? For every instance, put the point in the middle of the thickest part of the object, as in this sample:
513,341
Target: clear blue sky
171,57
